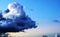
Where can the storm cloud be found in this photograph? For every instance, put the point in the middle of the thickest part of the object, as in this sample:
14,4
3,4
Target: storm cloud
14,19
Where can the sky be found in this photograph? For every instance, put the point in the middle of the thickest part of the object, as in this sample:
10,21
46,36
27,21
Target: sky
44,12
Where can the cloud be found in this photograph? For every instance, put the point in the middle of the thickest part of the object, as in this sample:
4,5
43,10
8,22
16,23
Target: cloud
14,19
56,21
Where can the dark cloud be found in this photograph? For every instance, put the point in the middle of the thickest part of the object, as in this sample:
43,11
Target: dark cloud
14,19
56,21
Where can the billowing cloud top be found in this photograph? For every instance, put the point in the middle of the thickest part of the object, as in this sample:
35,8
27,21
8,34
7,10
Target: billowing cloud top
15,10
14,19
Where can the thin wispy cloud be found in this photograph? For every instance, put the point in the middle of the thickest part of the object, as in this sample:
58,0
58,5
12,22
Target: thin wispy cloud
57,21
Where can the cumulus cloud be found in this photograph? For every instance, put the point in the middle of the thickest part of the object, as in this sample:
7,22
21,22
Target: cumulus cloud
14,19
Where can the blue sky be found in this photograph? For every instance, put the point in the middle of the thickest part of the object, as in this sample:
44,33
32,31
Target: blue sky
43,12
